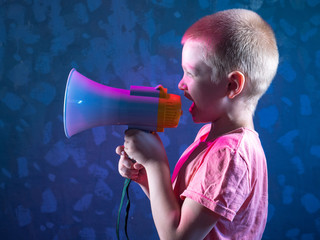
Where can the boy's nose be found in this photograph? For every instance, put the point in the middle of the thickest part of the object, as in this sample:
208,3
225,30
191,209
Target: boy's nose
181,85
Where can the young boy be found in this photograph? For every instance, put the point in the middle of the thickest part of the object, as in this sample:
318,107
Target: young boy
219,188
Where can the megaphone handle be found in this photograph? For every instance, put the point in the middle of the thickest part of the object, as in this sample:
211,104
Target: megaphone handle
143,128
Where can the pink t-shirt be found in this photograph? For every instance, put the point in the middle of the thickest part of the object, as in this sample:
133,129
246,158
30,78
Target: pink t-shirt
229,176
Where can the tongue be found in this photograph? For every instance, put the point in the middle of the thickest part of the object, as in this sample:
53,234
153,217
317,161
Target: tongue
191,107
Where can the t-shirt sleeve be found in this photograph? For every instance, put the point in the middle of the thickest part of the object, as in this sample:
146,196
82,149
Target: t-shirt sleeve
220,183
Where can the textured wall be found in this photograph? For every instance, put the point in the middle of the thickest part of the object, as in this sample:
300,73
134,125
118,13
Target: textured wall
57,188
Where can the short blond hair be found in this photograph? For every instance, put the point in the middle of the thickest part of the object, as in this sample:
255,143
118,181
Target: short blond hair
238,39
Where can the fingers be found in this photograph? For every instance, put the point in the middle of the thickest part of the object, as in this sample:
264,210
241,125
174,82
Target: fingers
137,166
127,162
129,139
119,150
126,167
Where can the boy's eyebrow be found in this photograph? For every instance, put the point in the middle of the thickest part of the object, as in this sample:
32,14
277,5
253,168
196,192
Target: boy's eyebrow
195,69
188,66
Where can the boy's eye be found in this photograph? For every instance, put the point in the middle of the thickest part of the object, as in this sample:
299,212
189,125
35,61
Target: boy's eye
189,74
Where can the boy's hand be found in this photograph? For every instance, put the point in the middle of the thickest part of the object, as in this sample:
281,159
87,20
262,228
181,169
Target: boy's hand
127,167
144,147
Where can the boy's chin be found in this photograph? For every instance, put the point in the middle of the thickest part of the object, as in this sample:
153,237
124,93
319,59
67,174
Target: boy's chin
196,119
194,115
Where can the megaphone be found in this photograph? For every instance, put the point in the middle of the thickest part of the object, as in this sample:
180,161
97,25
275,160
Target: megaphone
89,104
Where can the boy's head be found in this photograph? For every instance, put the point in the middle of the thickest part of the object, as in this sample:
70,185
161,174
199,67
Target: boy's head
238,40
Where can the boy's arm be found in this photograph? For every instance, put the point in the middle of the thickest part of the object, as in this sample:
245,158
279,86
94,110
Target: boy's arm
189,221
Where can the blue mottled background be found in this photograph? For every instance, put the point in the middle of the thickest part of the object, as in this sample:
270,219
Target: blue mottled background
52,187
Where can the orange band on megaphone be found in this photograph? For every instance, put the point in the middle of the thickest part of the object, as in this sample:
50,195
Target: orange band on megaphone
169,111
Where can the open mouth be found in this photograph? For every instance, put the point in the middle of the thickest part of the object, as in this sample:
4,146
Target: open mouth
191,107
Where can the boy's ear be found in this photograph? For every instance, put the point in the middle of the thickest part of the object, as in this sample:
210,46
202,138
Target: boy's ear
236,83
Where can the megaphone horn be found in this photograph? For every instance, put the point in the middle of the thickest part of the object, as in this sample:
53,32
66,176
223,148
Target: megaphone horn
89,104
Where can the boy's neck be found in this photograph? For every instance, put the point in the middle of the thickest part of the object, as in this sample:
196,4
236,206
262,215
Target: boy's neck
228,124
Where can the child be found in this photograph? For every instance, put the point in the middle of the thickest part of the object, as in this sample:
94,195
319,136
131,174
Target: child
219,188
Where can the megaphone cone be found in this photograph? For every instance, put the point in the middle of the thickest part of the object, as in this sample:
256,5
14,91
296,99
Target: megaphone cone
89,104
